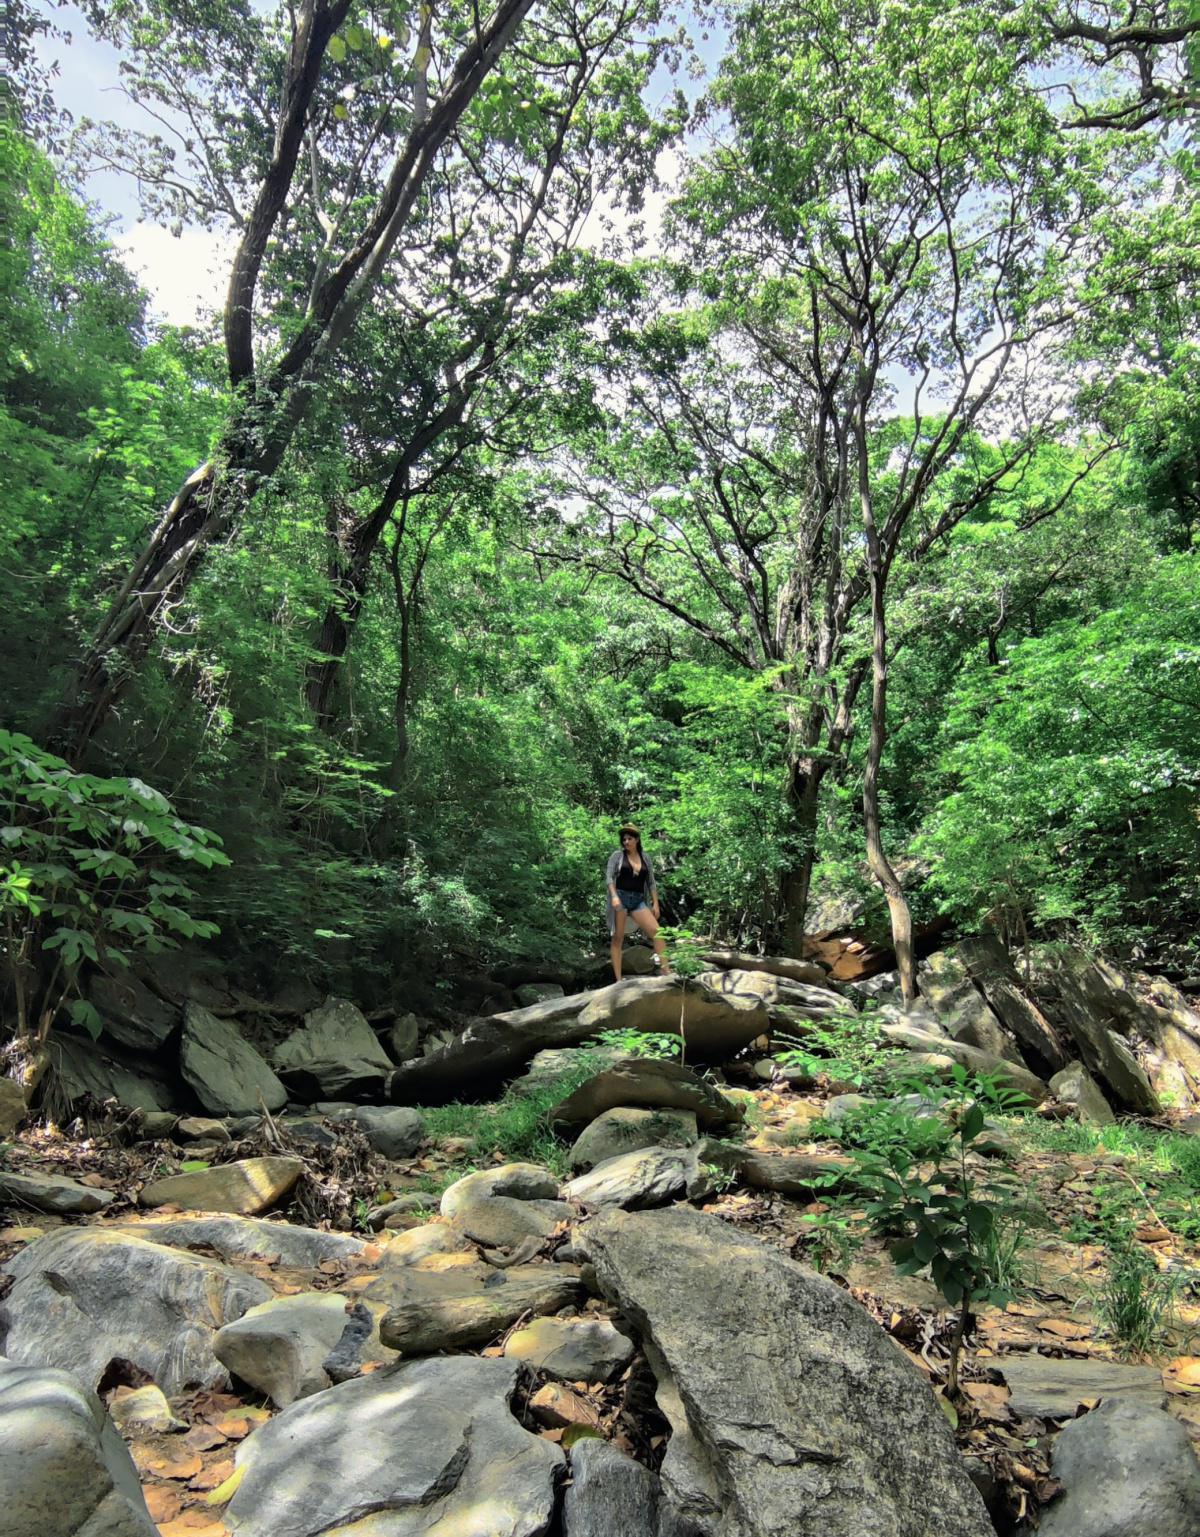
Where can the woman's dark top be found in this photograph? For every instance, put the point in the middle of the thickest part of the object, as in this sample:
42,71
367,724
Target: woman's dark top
629,879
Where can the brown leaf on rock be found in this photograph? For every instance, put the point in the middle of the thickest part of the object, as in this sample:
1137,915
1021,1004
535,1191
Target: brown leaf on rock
162,1501
212,1476
157,1462
203,1438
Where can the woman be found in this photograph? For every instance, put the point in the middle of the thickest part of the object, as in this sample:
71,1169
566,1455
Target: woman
630,880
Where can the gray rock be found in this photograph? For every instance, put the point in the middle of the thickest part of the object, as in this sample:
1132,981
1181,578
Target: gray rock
1076,1086
538,992
133,1016
335,1055
557,1066
610,1494
143,1410
394,1131
1097,1006
53,1193
993,971
842,1105
647,1082
404,1038
201,1128
573,1350
791,1410
84,1067
280,1347
522,1181
716,1016
247,1187
503,1222
12,1106
774,965
649,1176
84,1296
626,1128
454,1310
410,1203
226,1073
310,1130
330,1462
1050,1389
1127,1470
64,1470
924,1043
961,1008
156,1125
233,1238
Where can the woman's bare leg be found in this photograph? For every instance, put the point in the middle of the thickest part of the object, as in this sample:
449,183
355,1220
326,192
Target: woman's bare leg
618,941
648,923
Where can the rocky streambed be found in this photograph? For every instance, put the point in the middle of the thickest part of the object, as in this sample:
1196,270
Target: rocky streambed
630,1342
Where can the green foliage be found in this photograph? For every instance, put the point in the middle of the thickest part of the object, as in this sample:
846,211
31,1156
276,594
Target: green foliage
88,879
643,1043
1136,1301
831,1238
849,1048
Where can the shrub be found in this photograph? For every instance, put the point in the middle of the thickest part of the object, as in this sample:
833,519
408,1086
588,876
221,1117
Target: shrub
86,880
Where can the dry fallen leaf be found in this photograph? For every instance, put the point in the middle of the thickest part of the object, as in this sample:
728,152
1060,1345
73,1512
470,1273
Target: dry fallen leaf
212,1477
162,1501
150,1460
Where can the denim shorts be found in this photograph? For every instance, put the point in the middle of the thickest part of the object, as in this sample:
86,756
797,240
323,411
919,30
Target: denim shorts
631,901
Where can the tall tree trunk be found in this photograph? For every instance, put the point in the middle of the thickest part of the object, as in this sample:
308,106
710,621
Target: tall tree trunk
804,777
881,866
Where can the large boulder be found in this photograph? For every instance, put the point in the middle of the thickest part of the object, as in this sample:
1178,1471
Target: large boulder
1100,1008
961,1008
502,1222
84,1067
994,972
610,1494
926,1044
430,1446
791,1410
247,1187
133,1016
83,1297
1126,1471
334,1055
64,1470
225,1072
716,1015
650,1082
394,1131
625,1128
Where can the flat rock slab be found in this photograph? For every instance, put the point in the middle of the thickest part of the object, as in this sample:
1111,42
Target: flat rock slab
1127,1471
228,1076
457,1316
501,1222
791,1411
626,1128
774,965
84,1067
64,1470
53,1193
250,1186
233,1238
1076,1086
430,1447
1054,1390
521,1181
132,1014
647,1082
84,1296
573,1350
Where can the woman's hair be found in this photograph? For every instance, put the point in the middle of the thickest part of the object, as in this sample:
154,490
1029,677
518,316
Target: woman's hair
628,827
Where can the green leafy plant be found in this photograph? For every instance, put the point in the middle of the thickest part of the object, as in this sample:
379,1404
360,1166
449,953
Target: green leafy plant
86,880
936,1213
848,1048
830,1238
638,1043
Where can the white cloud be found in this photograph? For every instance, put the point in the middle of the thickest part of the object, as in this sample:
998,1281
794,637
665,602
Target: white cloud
185,275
